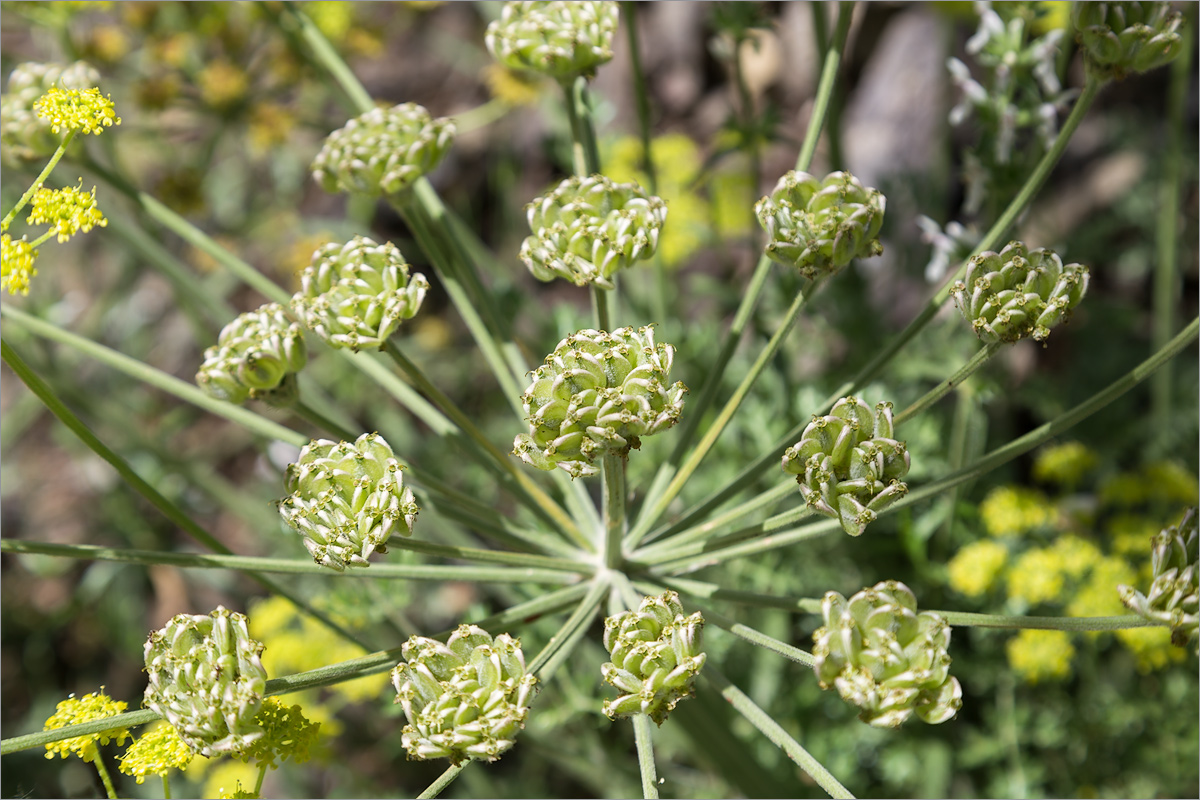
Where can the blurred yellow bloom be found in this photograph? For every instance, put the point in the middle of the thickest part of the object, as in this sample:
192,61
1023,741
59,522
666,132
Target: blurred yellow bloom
1130,534
514,87
270,126
1151,647
227,777
1098,596
1036,577
158,751
1064,464
77,110
1013,510
333,19
16,264
1171,482
1041,655
109,43
974,568
1076,555
67,211
223,84
73,710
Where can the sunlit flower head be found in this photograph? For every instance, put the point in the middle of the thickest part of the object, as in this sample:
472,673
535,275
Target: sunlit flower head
77,110
16,264
67,211
74,710
158,751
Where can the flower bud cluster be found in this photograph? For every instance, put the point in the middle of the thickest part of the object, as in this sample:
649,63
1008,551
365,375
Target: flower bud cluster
23,134
884,657
257,355
655,657
465,699
207,680
589,228
597,394
347,500
819,225
356,294
1119,38
1174,598
848,464
67,211
383,151
1013,294
559,39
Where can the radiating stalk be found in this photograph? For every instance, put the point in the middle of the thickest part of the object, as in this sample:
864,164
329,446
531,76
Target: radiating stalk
643,735
774,732
485,556
546,662
705,590
612,476
757,637
312,416
38,181
968,369
445,779
968,620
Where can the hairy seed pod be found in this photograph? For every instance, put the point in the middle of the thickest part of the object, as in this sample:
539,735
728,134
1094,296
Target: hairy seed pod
347,500
1120,38
819,225
655,657
356,294
257,355
561,40
848,464
206,679
383,151
884,657
1014,294
464,700
597,394
589,228
24,135
1174,598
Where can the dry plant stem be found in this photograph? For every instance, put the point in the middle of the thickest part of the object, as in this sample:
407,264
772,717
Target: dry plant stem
773,731
37,182
643,736
290,566
169,509
660,494
324,676
781,534
968,369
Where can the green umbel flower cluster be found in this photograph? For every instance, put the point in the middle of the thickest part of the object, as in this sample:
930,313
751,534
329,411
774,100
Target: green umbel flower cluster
257,355
886,658
589,228
1120,38
356,294
1174,598
1014,294
655,657
383,151
848,464
819,225
347,500
465,699
206,679
25,135
561,40
597,394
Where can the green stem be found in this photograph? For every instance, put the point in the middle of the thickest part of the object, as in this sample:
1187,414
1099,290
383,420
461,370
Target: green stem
562,643
445,779
613,488
166,781
109,789
757,637
288,566
965,619
942,389
262,774
482,556
704,590
327,57
37,182
833,61
312,416
600,313
643,735
774,732
583,133
651,513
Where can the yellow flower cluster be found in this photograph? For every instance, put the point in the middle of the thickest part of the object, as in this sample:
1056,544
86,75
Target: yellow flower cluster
1163,482
16,263
1064,464
67,211
513,87
1041,655
288,734
1013,510
158,751
73,710
1151,647
1098,597
974,568
83,110
1036,577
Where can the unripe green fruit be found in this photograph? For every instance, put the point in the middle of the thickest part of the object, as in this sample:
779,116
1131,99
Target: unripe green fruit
561,40
256,355
1120,38
1174,598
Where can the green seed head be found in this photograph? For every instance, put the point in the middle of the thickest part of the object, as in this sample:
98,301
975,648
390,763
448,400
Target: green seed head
206,679
1120,38
597,394
1174,597
561,40
1014,294
848,464
819,225
383,151
347,500
589,228
356,294
256,355
885,657
655,657
464,700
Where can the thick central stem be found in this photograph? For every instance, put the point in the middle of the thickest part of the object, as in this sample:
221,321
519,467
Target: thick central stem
612,475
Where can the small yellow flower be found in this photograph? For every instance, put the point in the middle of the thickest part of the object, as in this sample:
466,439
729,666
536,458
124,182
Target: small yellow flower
67,211
288,734
974,568
1012,510
1064,464
1041,655
71,711
16,264
1036,577
77,110
156,752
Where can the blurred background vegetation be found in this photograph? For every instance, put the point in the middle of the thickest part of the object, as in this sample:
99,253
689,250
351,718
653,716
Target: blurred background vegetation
222,115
